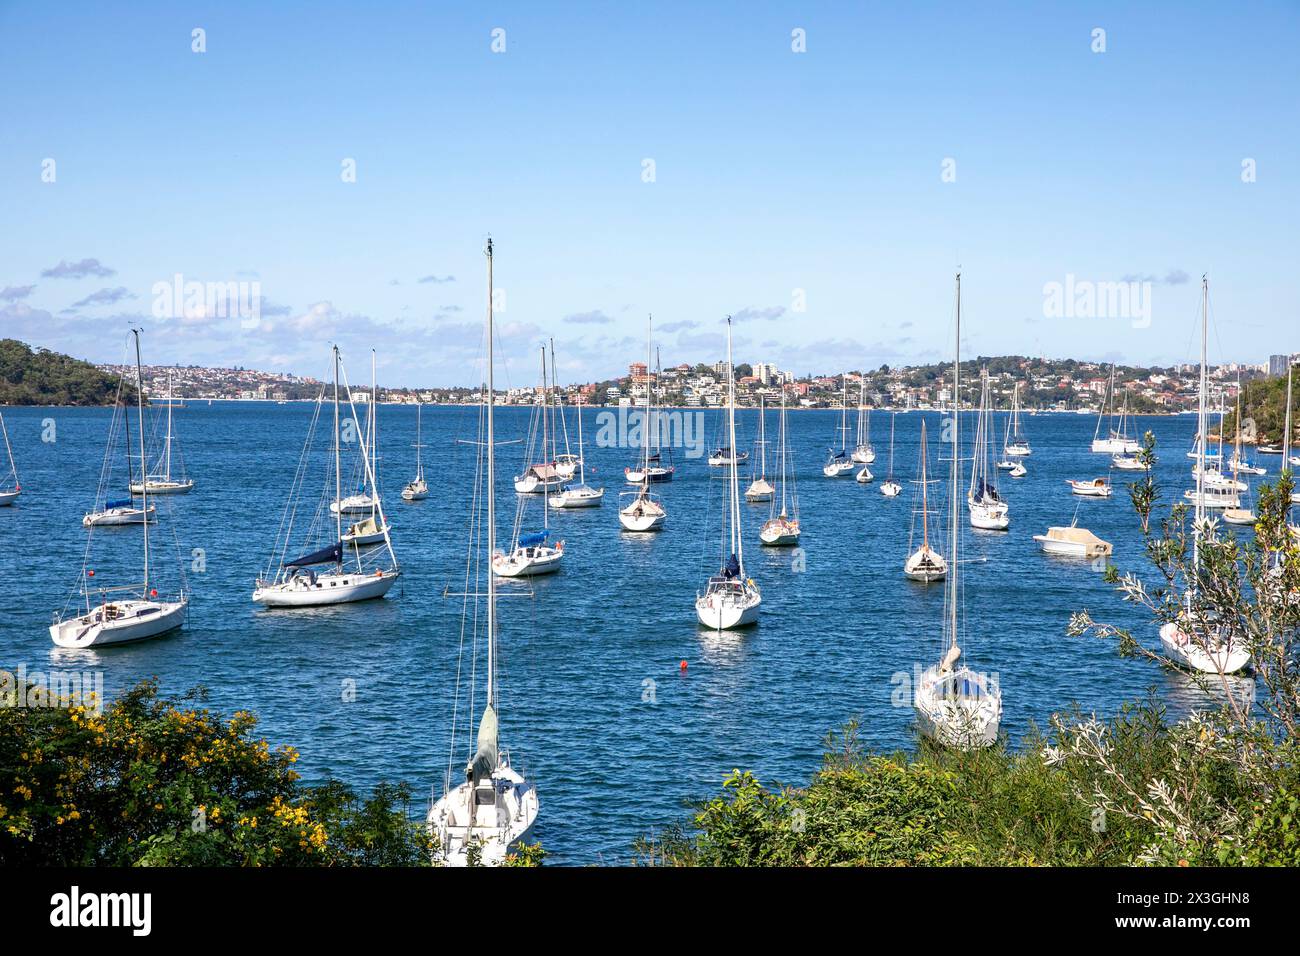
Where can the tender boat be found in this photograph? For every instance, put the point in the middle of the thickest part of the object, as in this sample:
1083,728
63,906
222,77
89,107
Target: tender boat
1074,542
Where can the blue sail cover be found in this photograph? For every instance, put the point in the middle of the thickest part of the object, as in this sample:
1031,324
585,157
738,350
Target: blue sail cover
732,568
331,555
528,540
120,503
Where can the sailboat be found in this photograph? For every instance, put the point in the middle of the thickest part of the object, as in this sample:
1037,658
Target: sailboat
1289,460
839,462
987,508
566,463
1116,441
650,465
891,488
645,512
11,489
417,489
161,481
730,598
529,554
760,489
124,613
781,529
1016,445
375,528
495,806
1237,516
863,453
924,564
1196,639
119,511
955,705
350,574
582,495
543,476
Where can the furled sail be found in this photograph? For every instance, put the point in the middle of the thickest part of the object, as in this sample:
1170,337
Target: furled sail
485,760
331,555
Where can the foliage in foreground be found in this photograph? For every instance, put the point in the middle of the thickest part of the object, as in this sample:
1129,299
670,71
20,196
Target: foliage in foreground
151,782
1220,787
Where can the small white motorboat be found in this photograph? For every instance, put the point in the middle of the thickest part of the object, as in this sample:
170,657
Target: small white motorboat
1018,470
1127,463
1239,516
891,489
864,476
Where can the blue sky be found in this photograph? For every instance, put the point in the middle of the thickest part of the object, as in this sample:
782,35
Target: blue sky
775,171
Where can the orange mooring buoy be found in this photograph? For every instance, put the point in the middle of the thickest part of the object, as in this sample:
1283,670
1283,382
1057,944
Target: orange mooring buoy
682,665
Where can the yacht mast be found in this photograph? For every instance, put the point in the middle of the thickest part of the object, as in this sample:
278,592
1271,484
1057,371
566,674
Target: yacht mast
736,544
144,471
338,476
491,499
1200,429
956,447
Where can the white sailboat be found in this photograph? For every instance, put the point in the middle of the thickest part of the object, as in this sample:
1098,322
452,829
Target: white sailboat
1117,441
543,476
760,489
891,488
122,614
645,512
1196,639
988,510
650,464
495,806
417,489
566,463
12,488
530,554
730,598
839,462
1016,445
955,705
581,495
1237,516
925,563
782,529
374,529
120,511
863,452
161,481
350,573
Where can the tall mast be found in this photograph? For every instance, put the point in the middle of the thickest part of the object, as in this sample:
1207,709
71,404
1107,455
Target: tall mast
374,435
13,468
144,472
925,497
419,468
782,449
844,412
582,463
731,437
762,438
892,416
546,491
1200,426
645,423
167,468
559,401
338,474
956,447
491,498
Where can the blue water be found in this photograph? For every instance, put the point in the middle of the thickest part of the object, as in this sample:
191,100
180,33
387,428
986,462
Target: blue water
594,704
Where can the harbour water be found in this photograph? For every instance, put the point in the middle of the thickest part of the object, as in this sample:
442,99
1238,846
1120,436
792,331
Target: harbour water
594,702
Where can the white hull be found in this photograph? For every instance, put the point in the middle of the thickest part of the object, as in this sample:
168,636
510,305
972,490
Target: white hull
578,498
1214,499
566,466
1210,660
1071,549
636,476
530,485
722,612
118,516
1127,463
645,519
459,821
989,517
926,565
864,476
1115,446
1242,468
528,562
1017,451
1089,489
718,461
306,590
759,490
119,622
864,455
358,539
416,490
1239,516
161,487
838,468
354,505
891,489
8,497
957,709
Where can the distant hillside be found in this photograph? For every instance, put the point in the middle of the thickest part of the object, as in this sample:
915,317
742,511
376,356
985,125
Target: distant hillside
42,377
1265,403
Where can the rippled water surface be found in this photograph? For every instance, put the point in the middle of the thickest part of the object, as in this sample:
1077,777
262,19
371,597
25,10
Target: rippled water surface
594,703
